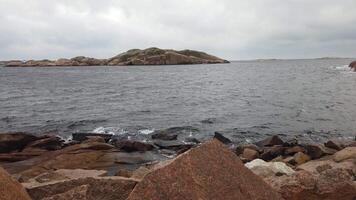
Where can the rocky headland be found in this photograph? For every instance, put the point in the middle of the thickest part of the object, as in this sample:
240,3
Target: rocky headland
150,56
99,166
353,65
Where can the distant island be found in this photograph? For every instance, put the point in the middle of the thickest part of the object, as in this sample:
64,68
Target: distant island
150,56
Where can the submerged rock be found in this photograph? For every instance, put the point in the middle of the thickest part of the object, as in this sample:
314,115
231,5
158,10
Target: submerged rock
210,171
11,189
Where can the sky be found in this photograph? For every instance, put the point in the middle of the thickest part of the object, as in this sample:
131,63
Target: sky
231,29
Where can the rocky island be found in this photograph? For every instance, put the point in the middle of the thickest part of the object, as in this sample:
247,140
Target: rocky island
353,65
150,56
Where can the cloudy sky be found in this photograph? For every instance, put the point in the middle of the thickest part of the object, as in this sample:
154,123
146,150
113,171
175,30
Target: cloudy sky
232,29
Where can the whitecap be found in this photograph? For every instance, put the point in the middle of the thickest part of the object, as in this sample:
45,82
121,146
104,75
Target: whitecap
109,130
146,131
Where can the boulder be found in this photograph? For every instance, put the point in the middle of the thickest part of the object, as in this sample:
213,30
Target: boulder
316,151
347,153
15,141
315,166
210,171
50,143
131,145
333,144
103,188
353,65
270,141
331,184
77,193
173,145
265,169
241,148
293,150
164,136
84,136
10,189
222,138
250,154
300,158
270,153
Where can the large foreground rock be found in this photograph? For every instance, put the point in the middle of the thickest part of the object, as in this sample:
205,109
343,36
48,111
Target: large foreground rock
11,189
210,171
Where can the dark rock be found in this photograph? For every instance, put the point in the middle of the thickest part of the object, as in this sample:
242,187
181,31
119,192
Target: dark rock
15,141
291,143
333,145
270,153
50,143
164,136
11,189
294,150
173,145
353,65
270,141
84,136
316,151
210,171
222,138
130,145
192,140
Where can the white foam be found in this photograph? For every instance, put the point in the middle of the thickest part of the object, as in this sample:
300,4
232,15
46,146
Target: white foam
146,131
109,130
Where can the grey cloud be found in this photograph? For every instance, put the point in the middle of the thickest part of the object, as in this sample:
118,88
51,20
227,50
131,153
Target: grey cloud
228,28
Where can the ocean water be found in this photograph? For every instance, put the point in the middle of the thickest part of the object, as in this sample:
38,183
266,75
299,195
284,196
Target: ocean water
311,100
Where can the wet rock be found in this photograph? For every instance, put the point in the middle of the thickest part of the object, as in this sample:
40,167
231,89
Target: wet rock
131,146
203,173
270,153
50,143
291,143
191,140
222,138
316,151
293,150
266,169
15,141
84,136
173,145
164,136
333,145
250,154
270,141
11,189
347,153
353,65
103,188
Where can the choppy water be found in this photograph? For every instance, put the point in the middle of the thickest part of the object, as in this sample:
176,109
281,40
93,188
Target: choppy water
308,99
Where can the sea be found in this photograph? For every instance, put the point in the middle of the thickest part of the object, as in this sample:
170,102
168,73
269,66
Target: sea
312,100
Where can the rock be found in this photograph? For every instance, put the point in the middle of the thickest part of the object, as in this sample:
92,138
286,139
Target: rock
50,143
15,141
265,169
239,149
77,193
316,151
210,171
250,154
94,139
130,145
173,145
353,65
141,172
191,140
124,173
332,184
315,166
293,150
300,158
333,145
270,153
84,136
164,136
103,188
222,138
270,141
347,153
291,143
11,189
19,156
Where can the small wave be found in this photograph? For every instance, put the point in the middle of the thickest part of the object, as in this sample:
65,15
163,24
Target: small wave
342,68
109,130
146,131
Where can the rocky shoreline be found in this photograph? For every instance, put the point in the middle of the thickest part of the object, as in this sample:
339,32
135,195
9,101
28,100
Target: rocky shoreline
98,166
150,56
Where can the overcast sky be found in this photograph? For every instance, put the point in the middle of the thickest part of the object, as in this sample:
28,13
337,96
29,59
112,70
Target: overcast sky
232,29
